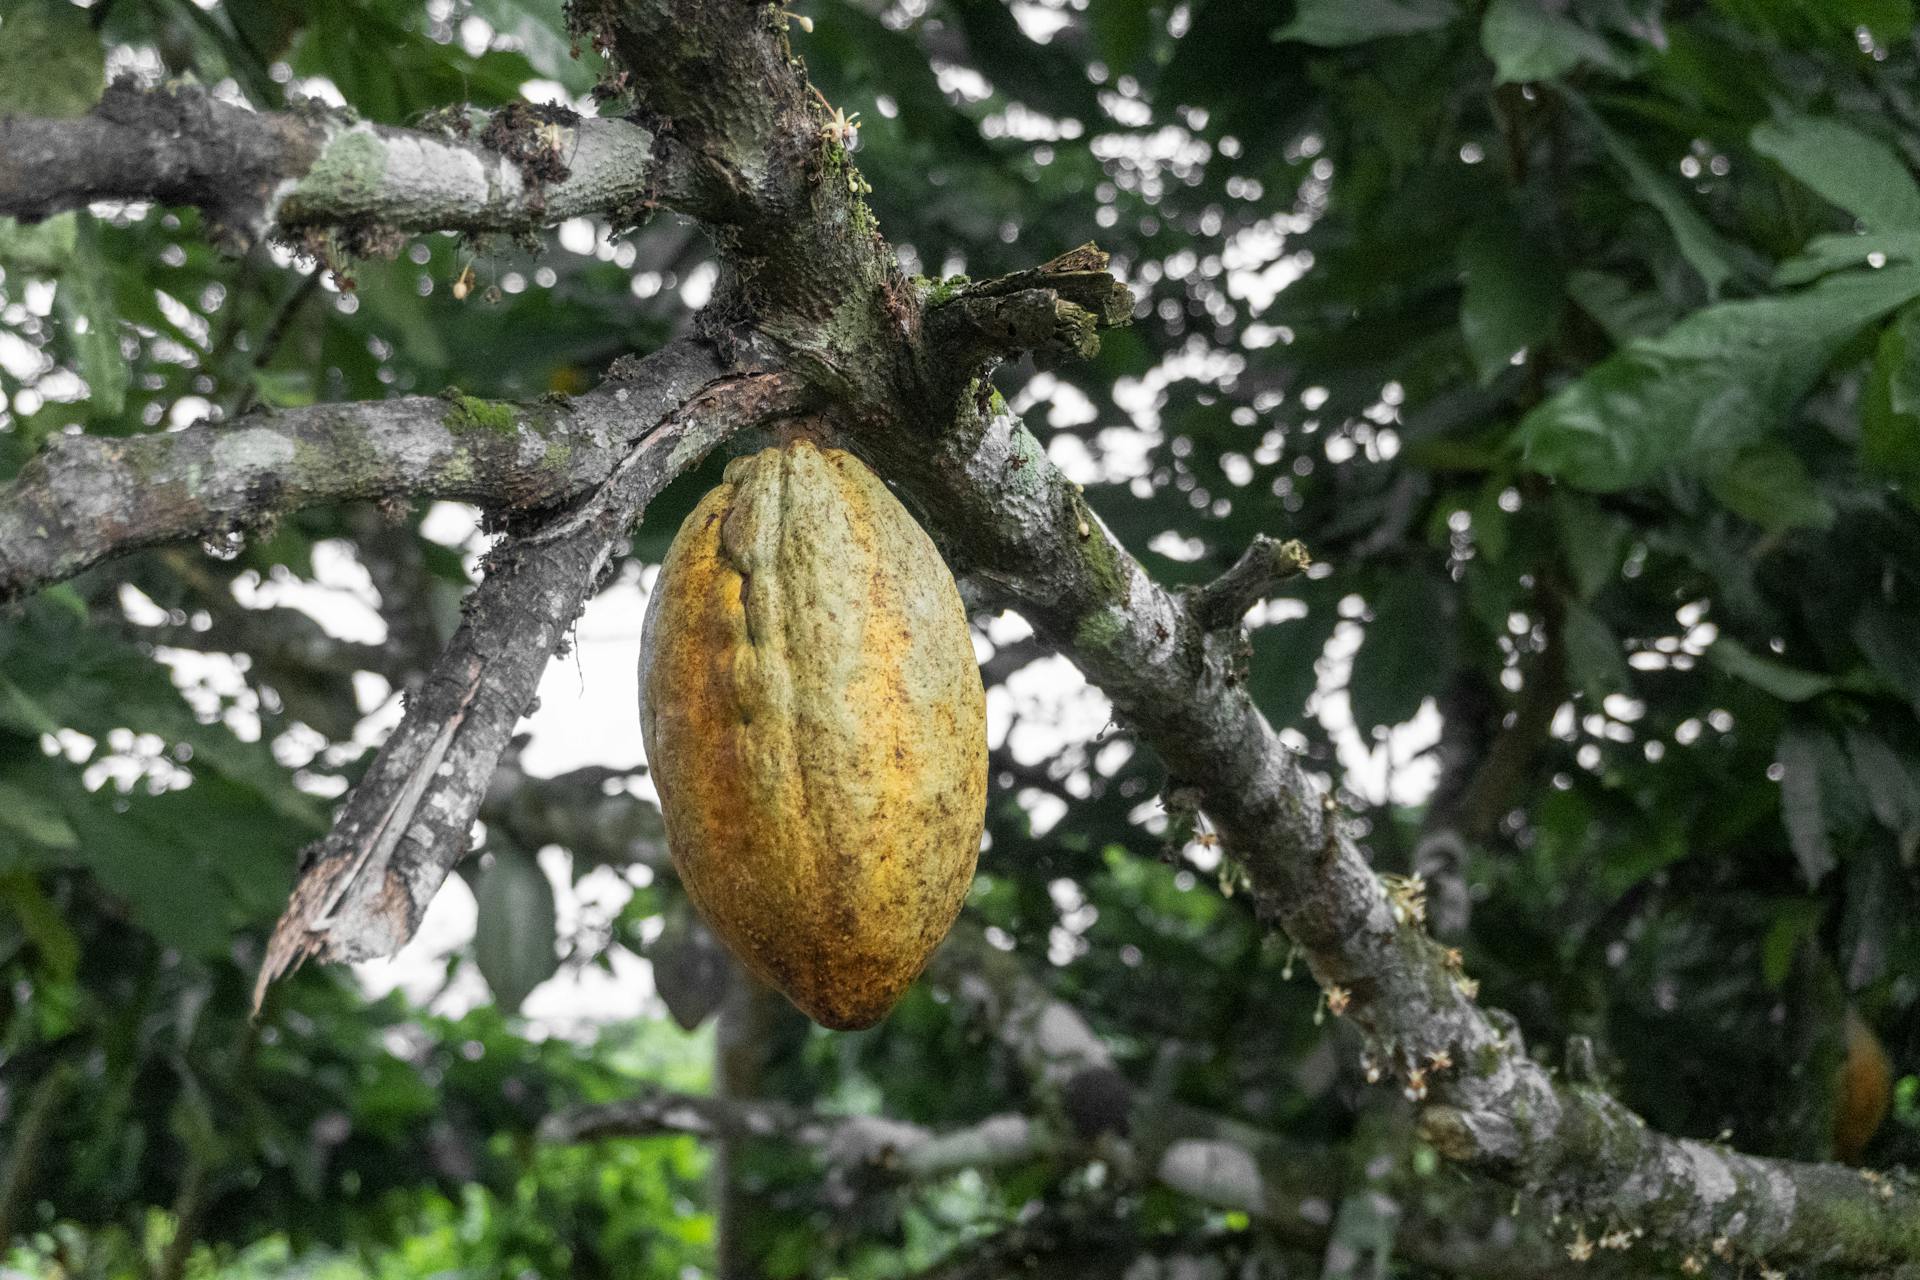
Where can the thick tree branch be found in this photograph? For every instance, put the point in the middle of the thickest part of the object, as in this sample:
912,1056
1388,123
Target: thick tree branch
86,498
1016,522
899,1150
408,821
254,172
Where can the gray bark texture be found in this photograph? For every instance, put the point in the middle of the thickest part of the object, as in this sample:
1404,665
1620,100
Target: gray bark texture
813,290
254,174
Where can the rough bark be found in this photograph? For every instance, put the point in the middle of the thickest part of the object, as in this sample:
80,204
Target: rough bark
84,499
254,172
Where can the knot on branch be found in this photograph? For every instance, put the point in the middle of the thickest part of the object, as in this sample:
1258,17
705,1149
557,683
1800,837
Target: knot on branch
535,137
1264,565
1474,1138
1055,311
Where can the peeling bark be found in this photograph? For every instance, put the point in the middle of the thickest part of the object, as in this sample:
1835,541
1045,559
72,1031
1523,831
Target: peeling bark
366,885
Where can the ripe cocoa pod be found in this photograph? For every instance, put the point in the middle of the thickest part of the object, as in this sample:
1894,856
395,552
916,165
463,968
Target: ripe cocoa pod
1863,1088
816,728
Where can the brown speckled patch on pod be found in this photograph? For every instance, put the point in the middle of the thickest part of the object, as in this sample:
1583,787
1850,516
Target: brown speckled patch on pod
816,728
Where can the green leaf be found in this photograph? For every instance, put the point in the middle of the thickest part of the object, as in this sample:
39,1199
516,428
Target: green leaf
283,388
1617,308
1824,255
1511,294
514,935
1595,659
1696,396
1789,684
1795,923
1335,24
388,71
1800,757
1406,653
1122,32
1890,407
1528,43
86,306
1861,174
1829,23
1592,541
40,248
22,713
690,968
51,62
1885,637
31,817
1875,917
1702,246
41,922
1890,779
1490,520
1769,485
1627,866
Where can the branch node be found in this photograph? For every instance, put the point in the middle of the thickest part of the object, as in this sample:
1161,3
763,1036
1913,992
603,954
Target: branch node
1266,564
1055,311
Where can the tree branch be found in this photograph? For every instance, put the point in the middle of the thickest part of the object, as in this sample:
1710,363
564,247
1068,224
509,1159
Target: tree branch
367,883
1018,524
86,498
1265,564
574,812
1456,1228
254,172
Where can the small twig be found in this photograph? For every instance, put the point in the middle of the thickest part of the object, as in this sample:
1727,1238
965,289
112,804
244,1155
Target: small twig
1264,566
186,1220
276,333
29,1140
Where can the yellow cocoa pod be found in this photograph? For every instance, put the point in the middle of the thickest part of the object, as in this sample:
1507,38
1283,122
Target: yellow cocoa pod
816,728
